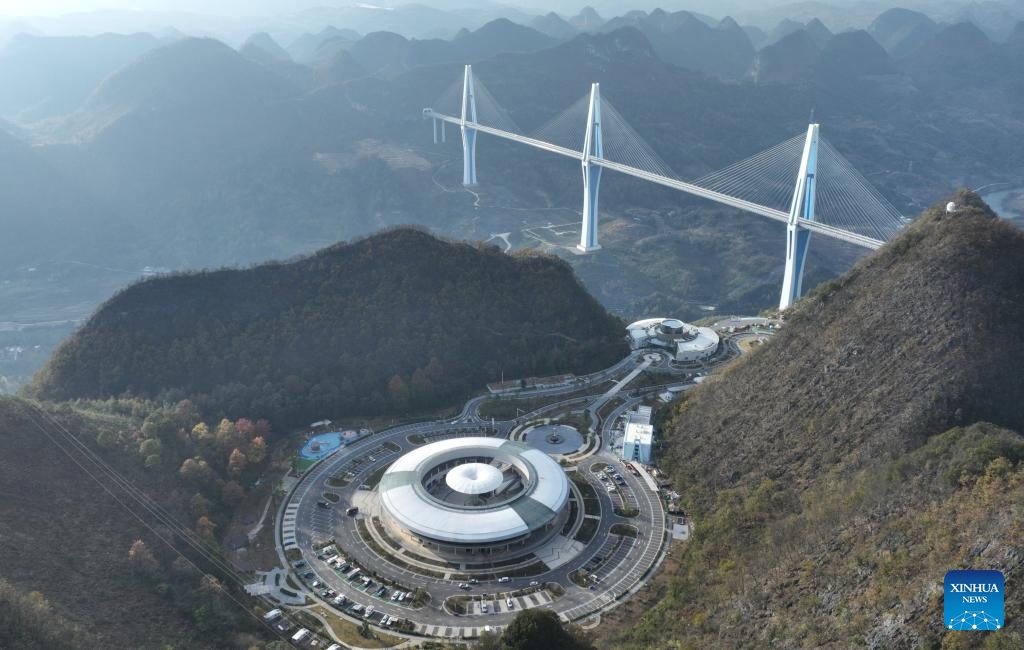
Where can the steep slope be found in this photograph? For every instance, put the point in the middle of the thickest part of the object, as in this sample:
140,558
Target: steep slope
782,30
398,320
835,475
46,76
959,54
339,68
497,36
89,595
587,19
46,216
852,55
262,48
307,48
683,39
900,31
387,54
789,60
195,81
819,32
554,26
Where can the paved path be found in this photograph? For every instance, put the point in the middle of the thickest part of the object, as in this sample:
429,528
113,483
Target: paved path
621,562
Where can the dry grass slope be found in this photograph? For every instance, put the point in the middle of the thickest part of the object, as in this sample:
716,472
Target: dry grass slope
837,474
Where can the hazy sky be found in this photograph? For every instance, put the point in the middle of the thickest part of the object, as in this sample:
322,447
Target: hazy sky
271,7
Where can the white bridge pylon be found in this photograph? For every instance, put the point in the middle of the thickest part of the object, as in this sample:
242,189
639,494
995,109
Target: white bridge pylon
859,214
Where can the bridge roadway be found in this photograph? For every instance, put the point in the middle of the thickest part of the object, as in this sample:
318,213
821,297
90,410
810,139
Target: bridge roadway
695,190
303,523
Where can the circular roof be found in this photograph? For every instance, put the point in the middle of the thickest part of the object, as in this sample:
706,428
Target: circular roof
474,478
407,501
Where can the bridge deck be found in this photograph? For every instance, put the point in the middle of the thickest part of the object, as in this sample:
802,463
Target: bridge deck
689,188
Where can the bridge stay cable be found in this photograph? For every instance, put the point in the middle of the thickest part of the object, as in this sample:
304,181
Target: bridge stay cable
840,202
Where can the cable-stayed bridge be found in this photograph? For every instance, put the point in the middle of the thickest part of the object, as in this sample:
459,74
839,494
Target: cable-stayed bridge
802,182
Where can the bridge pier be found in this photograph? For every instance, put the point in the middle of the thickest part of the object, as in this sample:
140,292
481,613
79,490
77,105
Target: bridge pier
436,123
801,209
468,134
592,148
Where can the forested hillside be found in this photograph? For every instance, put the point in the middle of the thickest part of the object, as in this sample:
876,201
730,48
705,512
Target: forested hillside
837,474
77,570
397,321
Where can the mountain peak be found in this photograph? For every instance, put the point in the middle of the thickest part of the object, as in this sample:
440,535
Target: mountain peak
587,19
819,32
554,26
261,47
853,54
190,71
912,340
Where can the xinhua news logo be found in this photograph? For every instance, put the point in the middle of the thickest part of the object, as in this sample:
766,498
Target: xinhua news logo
973,600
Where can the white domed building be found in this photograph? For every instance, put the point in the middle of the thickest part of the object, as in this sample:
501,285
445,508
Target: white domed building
686,342
476,495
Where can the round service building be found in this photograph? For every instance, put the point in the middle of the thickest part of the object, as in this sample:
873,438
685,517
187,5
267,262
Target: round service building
467,496
687,342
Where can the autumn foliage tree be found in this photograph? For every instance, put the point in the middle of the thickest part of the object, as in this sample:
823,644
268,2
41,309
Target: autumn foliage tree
236,463
141,560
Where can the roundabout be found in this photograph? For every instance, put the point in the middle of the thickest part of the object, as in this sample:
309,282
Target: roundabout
446,529
554,438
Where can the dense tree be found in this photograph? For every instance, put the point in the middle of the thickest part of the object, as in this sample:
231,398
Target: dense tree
106,439
398,392
141,559
199,505
397,321
540,629
196,471
205,527
232,494
28,622
257,450
236,463
148,447
226,434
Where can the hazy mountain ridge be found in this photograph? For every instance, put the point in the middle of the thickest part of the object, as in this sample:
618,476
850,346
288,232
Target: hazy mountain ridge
842,469
683,39
45,77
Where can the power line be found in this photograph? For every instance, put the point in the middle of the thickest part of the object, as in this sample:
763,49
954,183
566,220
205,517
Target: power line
134,493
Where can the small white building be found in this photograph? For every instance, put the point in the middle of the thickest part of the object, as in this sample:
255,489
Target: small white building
639,436
687,342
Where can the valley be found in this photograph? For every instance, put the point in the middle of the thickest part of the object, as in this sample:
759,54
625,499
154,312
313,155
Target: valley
449,327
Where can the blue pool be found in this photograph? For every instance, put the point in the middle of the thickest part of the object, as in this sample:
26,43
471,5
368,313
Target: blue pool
321,446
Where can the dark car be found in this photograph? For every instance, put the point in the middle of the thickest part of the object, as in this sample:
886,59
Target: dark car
323,504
